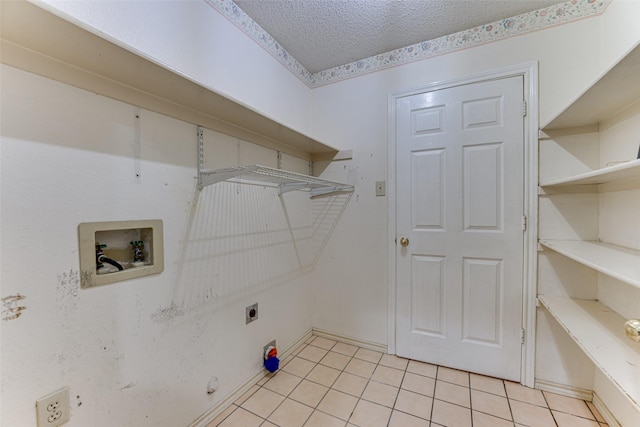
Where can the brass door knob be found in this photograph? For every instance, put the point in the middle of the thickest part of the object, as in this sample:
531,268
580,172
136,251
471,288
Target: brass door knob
404,242
632,329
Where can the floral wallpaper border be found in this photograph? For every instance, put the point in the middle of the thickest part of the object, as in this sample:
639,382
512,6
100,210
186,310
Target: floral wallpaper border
553,15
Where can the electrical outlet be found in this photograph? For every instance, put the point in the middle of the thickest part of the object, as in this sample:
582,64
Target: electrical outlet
251,313
381,188
53,409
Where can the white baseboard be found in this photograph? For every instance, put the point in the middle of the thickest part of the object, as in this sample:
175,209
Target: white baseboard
348,340
579,393
564,390
211,414
605,412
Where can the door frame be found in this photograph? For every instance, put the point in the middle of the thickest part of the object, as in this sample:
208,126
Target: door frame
529,72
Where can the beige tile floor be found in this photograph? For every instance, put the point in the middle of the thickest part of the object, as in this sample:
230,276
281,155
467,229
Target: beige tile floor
325,383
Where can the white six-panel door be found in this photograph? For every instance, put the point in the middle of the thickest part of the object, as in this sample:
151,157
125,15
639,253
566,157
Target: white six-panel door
459,204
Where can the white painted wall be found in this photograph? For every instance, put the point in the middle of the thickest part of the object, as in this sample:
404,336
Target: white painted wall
140,352
351,280
133,356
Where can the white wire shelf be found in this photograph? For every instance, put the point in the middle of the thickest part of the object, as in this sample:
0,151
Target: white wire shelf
285,181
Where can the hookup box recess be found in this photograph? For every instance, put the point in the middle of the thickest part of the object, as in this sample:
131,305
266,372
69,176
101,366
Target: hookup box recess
114,238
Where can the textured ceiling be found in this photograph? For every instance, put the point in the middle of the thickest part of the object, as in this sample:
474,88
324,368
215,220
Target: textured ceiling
323,34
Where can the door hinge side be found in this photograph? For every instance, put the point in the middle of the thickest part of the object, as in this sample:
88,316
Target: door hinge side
524,108
524,223
522,334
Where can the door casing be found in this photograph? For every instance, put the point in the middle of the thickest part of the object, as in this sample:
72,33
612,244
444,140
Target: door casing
529,71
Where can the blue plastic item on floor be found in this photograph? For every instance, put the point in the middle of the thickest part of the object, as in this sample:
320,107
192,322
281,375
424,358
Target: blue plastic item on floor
272,364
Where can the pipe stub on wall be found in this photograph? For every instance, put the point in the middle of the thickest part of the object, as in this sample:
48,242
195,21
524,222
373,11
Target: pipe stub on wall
271,361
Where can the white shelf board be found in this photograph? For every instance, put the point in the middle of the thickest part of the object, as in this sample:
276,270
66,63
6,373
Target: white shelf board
599,332
618,88
620,172
615,261
35,40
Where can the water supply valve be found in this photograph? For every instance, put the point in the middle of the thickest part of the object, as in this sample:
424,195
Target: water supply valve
101,259
138,250
99,255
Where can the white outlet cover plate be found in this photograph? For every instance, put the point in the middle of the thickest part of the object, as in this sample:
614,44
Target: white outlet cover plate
54,409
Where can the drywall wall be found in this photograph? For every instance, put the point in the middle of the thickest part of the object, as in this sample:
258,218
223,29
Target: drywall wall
192,38
139,352
353,114
143,352
128,346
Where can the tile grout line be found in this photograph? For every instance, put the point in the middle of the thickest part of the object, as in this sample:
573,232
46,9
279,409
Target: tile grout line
266,419
488,413
393,406
314,408
369,380
553,417
470,399
506,394
595,417
330,387
433,400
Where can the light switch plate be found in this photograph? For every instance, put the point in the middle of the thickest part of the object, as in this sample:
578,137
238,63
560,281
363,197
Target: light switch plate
381,188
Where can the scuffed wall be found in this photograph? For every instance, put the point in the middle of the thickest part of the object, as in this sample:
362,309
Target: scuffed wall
142,352
139,352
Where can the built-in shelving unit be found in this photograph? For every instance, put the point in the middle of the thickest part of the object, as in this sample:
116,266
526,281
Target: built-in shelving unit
601,125
615,261
620,172
599,332
618,88
36,40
